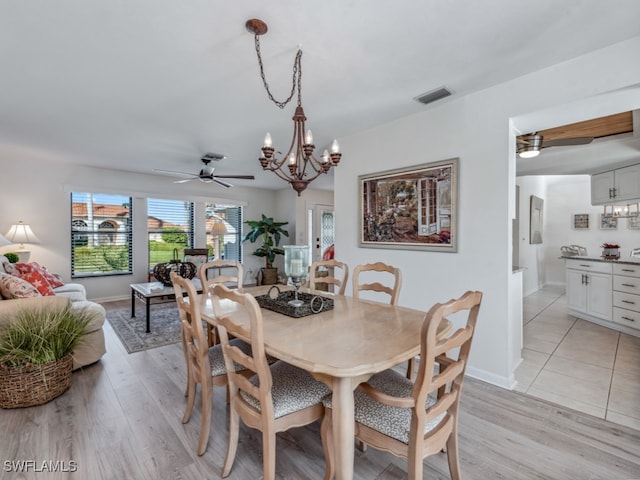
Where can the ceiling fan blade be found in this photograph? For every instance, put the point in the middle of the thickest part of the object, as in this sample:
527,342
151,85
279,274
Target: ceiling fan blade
171,172
242,177
185,180
213,156
565,142
220,182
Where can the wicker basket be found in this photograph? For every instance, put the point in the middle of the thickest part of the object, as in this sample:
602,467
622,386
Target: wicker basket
312,303
29,385
162,271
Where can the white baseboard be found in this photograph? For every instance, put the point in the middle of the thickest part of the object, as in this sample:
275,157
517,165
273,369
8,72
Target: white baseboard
500,381
110,299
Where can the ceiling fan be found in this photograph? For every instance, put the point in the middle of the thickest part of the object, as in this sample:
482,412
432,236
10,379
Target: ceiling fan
529,146
206,172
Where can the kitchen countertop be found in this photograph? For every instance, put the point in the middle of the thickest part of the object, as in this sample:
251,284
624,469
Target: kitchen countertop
624,261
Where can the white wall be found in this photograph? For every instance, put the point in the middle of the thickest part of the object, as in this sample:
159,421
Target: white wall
293,209
38,194
532,256
477,129
566,195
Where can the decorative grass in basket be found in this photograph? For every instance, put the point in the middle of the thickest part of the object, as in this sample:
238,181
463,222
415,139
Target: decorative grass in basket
35,354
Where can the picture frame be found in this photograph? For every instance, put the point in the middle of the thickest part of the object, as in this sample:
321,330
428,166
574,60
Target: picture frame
580,221
535,221
411,208
608,223
633,223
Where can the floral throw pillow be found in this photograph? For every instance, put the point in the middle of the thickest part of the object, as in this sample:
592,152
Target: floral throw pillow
15,287
54,281
11,269
32,275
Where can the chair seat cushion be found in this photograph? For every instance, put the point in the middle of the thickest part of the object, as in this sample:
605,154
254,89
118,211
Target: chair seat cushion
394,422
293,389
216,359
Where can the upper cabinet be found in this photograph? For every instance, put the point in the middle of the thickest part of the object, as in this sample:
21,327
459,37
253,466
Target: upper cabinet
621,185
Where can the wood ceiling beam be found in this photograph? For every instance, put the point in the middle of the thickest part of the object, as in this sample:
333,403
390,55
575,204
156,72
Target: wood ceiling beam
596,128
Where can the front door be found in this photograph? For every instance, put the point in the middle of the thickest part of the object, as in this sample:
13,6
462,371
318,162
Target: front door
321,229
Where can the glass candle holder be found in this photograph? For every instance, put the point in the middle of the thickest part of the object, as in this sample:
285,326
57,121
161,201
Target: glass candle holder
296,267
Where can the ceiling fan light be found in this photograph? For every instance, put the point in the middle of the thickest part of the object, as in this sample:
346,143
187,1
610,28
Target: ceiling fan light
530,146
530,152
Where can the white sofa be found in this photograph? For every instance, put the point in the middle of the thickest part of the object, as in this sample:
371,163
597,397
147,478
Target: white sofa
91,347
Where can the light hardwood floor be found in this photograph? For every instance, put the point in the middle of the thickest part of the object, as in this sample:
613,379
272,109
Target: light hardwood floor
121,419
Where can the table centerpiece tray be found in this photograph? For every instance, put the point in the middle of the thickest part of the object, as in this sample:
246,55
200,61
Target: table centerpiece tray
280,303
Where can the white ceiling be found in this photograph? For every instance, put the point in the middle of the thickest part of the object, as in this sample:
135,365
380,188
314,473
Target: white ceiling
153,84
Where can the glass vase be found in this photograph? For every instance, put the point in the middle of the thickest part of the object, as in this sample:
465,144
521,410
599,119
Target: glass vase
296,267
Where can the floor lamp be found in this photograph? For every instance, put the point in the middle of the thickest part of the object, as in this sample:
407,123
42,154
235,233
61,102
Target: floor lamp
218,230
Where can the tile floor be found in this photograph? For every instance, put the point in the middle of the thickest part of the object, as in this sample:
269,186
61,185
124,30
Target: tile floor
578,364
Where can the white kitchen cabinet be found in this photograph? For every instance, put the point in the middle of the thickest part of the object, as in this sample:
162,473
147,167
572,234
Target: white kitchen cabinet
589,289
616,186
626,295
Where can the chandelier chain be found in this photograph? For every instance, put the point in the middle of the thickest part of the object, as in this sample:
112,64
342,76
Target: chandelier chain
296,80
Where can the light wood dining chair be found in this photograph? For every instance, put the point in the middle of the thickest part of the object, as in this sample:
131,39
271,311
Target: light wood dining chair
278,397
205,365
415,420
339,282
393,291
197,256
219,271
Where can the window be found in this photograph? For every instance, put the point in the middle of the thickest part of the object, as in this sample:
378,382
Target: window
101,235
230,242
170,227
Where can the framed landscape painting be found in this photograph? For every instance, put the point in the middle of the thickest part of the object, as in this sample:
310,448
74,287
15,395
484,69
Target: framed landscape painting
608,223
412,208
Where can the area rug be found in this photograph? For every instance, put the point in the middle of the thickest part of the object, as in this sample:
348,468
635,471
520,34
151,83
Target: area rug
165,326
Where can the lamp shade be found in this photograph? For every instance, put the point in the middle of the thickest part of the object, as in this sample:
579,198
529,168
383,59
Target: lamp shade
21,233
219,228
4,241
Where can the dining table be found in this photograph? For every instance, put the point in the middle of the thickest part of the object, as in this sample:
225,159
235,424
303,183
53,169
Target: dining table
342,347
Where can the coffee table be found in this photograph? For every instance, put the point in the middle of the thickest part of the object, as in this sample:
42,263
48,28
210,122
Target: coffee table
153,293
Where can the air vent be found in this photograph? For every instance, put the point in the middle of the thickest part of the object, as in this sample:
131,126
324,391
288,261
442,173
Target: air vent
433,95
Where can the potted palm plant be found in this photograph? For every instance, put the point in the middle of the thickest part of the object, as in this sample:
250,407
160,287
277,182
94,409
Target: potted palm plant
270,232
35,353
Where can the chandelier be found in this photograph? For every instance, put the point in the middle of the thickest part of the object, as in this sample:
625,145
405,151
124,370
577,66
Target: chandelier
630,210
298,166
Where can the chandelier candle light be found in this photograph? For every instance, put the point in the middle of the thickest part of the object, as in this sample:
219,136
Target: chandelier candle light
298,166
296,267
